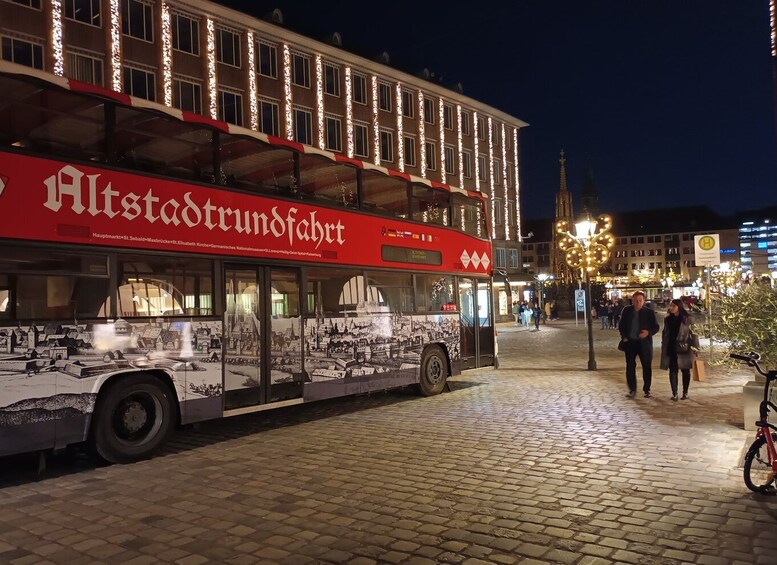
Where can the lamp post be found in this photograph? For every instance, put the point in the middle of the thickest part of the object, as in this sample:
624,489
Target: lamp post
542,277
588,249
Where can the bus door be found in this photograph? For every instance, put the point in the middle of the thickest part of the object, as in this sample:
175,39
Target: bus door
476,322
262,335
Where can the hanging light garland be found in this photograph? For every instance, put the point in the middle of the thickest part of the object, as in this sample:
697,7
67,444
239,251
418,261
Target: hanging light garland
253,101
288,109
167,55
320,101
517,187
475,138
212,83
491,175
441,118
400,129
422,133
375,124
57,37
460,147
349,111
115,46
504,183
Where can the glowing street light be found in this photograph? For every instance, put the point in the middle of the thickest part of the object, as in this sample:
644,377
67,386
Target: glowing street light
542,277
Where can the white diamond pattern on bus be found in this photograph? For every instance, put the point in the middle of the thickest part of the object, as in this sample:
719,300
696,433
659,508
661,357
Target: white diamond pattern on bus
2,184
476,259
485,261
465,258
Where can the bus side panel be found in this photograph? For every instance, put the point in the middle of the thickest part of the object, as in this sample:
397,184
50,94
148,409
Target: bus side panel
350,355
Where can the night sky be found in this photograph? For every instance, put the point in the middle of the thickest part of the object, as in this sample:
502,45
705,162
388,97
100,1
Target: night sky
670,102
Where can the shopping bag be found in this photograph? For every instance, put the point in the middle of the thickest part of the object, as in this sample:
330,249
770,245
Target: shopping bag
698,370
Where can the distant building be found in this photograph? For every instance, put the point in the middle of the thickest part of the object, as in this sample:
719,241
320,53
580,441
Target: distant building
758,240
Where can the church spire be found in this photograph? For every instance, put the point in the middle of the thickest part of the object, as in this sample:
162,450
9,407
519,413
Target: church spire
563,180
561,270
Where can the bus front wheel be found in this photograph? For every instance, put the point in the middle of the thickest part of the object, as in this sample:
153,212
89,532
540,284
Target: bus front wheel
134,418
434,371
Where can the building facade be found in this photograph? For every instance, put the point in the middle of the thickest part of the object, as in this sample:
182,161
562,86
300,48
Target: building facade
758,241
201,57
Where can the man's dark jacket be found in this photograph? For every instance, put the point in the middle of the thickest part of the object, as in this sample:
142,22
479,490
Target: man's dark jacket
647,321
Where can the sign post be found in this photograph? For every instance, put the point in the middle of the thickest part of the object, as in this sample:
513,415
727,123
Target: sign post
580,304
707,253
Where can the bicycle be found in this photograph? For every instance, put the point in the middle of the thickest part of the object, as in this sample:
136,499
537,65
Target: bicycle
761,458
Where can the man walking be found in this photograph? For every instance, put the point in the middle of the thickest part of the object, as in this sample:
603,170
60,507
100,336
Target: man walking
637,327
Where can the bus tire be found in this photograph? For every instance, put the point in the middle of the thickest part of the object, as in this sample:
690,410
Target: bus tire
434,371
133,419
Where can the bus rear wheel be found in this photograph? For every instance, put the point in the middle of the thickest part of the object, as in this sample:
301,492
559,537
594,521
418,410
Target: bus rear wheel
434,371
134,418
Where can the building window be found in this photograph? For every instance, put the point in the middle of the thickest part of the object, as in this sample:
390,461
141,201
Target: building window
186,34
514,259
29,3
300,70
466,159
331,80
498,219
384,97
268,117
509,176
267,64
137,20
429,111
510,213
228,48
361,140
359,89
495,132
230,108
187,96
303,126
85,68
334,137
84,11
409,148
23,53
386,145
408,105
450,160
497,171
482,169
139,83
499,257
482,129
464,123
431,155
447,114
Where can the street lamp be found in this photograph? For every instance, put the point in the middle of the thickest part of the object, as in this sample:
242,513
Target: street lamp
588,249
542,277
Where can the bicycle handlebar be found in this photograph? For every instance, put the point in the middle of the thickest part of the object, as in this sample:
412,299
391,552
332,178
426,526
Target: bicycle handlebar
752,361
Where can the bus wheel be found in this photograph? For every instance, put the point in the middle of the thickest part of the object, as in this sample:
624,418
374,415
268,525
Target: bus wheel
434,371
133,419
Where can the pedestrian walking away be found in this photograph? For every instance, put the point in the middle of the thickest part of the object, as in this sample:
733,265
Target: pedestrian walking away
678,346
637,327
517,313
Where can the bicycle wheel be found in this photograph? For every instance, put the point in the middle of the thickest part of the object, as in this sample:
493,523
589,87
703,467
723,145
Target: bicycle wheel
759,476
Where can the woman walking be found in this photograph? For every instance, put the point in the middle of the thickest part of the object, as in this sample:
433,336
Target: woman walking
677,346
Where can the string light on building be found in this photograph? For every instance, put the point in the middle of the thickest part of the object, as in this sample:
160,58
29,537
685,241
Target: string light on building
400,130
56,37
773,19
349,111
491,175
212,84
115,46
441,118
253,101
517,187
460,145
477,154
375,124
320,101
167,55
504,182
422,133
287,101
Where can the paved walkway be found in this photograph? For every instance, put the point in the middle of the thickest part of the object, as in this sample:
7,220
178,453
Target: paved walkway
538,462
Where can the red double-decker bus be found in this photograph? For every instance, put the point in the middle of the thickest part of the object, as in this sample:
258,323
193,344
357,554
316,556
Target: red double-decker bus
161,268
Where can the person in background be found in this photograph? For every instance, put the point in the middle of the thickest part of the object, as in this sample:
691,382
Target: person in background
637,327
517,313
537,314
548,312
677,346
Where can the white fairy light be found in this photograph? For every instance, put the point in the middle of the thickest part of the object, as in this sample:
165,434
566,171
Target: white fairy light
167,55
212,84
400,131
504,182
56,37
773,19
320,101
477,155
288,110
115,46
491,175
517,187
375,124
349,111
460,147
422,133
441,117
253,101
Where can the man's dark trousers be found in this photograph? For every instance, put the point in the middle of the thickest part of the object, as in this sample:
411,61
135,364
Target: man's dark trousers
642,348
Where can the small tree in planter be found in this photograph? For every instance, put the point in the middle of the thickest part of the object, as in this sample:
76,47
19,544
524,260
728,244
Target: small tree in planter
747,322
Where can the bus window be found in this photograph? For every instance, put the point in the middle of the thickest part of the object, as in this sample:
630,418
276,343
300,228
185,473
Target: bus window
434,293
468,215
328,181
150,286
384,195
252,165
430,205
389,292
334,292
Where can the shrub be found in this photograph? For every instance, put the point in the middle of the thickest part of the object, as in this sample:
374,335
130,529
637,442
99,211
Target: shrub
747,322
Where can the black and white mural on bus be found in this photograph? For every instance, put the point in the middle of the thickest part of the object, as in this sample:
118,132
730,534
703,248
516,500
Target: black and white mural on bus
372,352
50,374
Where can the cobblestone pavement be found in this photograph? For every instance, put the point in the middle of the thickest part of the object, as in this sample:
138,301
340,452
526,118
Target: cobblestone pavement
540,461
